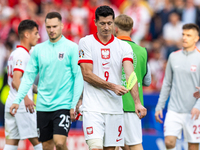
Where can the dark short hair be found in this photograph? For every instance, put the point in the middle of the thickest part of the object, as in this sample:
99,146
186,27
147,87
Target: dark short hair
191,26
26,25
104,11
51,15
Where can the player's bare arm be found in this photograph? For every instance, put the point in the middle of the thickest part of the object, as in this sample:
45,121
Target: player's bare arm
195,112
140,110
35,89
96,81
72,115
28,103
79,104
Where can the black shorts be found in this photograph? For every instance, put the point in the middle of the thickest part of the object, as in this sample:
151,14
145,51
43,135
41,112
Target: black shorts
50,123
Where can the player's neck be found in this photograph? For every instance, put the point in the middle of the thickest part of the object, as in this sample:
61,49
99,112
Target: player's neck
189,48
104,39
26,45
123,34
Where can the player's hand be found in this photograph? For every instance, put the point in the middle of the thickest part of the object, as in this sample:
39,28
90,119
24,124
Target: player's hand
78,105
72,115
29,104
158,115
140,110
197,94
195,113
13,109
120,90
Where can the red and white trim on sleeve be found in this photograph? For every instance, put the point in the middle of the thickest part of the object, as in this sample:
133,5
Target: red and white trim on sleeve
127,59
110,41
18,46
85,61
17,69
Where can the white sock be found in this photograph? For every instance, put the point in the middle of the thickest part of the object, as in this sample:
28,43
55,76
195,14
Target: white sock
10,147
38,147
172,148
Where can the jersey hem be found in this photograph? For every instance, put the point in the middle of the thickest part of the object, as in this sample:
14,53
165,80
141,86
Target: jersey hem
85,61
129,111
117,113
127,59
17,69
51,110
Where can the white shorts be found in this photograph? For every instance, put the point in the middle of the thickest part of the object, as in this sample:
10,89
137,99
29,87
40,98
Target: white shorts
176,122
132,129
22,126
108,127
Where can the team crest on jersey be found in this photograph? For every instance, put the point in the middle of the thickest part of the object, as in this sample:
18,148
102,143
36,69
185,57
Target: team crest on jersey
61,56
193,68
89,130
105,53
18,62
81,53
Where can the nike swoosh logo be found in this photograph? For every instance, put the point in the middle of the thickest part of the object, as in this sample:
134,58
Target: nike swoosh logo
105,63
117,140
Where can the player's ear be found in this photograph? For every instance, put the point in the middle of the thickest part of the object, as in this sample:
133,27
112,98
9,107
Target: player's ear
197,39
26,34
115,29
62,26
95,22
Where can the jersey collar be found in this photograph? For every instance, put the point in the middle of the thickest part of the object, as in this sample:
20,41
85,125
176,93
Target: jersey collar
110,41
127,38
190,52
58,42
20,46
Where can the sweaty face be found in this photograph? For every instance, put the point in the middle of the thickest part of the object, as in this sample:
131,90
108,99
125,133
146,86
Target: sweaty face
54,29
190,37
105,25
34,36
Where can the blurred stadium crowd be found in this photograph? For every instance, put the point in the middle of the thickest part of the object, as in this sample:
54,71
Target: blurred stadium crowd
157,25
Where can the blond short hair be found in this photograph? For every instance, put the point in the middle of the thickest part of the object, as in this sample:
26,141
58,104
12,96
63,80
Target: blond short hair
124,22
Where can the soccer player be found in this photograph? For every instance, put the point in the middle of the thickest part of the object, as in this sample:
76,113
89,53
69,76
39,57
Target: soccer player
23,124
132,124
181,76
101,57
60,84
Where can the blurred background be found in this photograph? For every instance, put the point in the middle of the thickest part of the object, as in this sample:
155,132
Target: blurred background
157,26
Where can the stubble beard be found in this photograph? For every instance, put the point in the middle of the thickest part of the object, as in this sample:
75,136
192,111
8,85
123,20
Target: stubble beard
54,39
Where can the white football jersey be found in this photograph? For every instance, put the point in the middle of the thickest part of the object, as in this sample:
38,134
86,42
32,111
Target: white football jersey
107,64
17,62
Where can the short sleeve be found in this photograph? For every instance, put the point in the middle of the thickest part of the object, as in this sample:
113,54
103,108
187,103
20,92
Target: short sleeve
85,55
20,62
127,52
